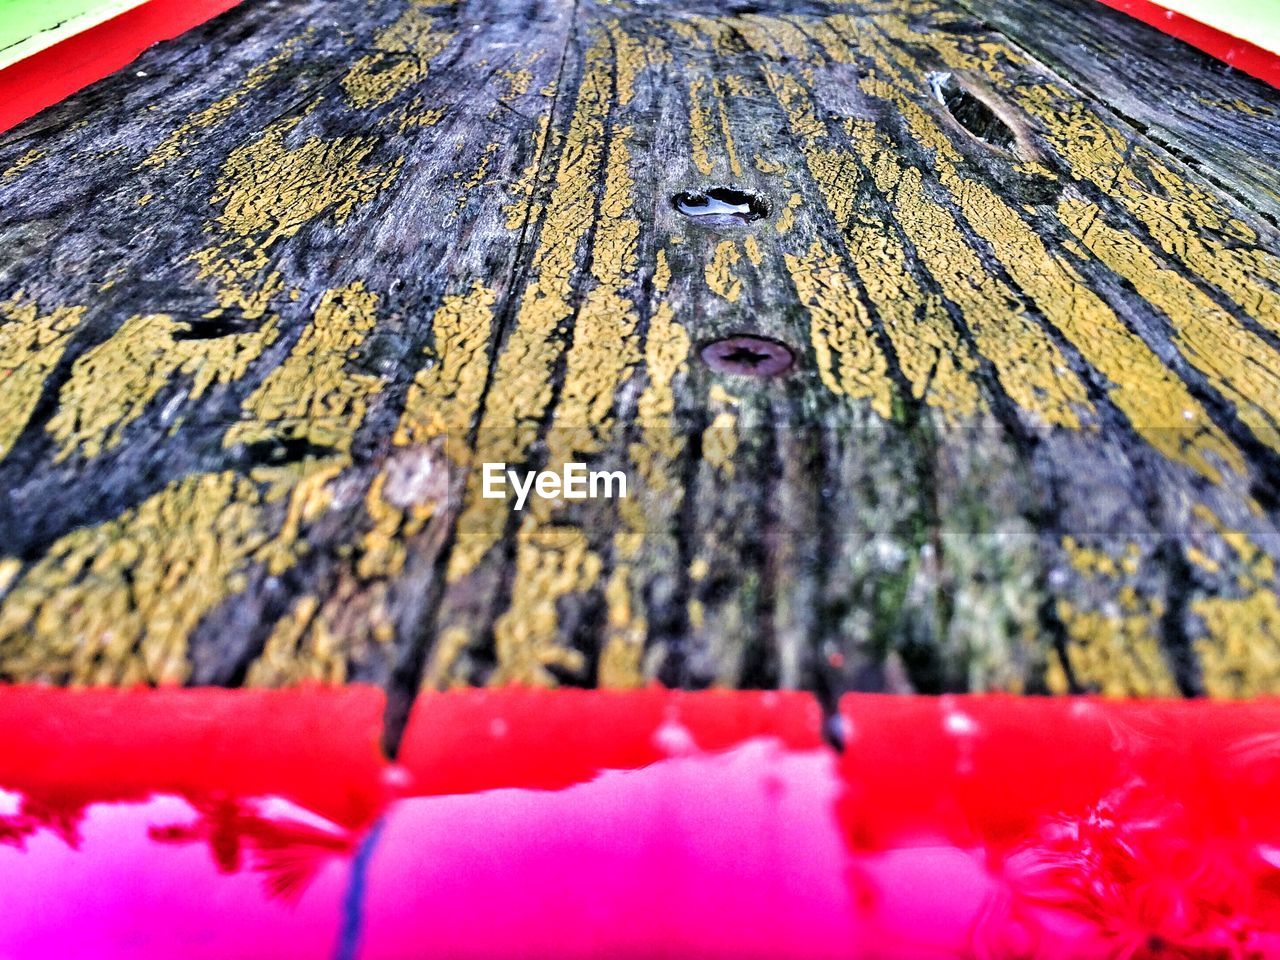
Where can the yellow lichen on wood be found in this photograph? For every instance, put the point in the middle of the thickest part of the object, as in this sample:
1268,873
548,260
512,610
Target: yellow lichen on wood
112,384
850,361
312,396
31,344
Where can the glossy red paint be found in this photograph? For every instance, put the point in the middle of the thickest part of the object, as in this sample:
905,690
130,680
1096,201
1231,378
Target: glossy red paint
51,75
1241,54
570,824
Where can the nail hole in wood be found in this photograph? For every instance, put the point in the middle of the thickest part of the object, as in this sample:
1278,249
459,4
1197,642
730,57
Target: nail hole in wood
722,206
285,450
211,328
971,113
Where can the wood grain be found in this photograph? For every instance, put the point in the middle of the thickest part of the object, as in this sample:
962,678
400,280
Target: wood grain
271,297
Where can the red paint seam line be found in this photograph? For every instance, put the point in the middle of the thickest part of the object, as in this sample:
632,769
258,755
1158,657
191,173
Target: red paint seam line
53,74
1241,54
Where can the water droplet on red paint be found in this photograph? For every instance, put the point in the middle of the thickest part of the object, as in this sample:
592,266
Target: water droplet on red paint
396,777
674,739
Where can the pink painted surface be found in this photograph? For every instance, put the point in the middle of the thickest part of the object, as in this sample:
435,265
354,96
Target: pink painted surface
569,824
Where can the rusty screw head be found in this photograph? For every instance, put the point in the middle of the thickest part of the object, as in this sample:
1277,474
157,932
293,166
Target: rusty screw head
748,356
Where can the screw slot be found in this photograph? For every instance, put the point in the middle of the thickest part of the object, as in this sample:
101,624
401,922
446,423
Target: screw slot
748,356
722,206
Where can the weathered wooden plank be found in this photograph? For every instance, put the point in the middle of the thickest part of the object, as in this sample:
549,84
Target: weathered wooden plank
1219,120
261,340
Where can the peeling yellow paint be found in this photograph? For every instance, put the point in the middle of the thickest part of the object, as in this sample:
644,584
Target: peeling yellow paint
22,163
477,178
31,344
659,495
116,603
1115,649
787,218
521,389
550,563
111,385
279,657
9,567
179,141
719,271
1239,650
403,497
405,49
315,643
700,129
735,167
268,191
1030,367
850,361
312,395
603,353
1239,364
523,209
935,361
720,438
1149,394
444,399
1189,224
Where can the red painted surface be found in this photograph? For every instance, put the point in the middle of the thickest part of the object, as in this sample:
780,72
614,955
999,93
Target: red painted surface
45,78
1252,59
580,824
